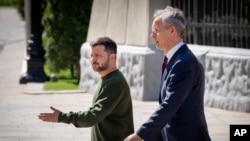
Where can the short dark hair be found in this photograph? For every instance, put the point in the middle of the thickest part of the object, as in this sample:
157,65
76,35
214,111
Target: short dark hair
109,44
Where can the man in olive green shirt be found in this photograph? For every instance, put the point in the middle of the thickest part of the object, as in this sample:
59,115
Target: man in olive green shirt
110,116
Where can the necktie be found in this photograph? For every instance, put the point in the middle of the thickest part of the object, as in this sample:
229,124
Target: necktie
164,64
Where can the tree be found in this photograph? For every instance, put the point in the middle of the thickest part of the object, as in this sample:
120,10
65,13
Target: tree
65,29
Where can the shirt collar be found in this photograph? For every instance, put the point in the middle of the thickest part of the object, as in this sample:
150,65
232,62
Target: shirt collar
172,51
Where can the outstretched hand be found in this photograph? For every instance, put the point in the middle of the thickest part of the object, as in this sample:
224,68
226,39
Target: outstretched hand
50,117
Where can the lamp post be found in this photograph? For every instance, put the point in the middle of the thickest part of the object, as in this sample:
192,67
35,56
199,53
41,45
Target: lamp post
35,52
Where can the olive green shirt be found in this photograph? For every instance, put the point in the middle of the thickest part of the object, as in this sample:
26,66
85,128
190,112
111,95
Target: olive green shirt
110,116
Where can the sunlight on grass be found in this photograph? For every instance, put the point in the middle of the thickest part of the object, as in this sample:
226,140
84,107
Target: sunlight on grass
61,85
64,81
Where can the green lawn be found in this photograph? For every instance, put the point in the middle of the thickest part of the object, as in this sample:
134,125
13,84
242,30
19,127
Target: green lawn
61,84
64,81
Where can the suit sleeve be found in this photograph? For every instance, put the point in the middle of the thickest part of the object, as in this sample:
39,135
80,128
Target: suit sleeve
103,106
178,86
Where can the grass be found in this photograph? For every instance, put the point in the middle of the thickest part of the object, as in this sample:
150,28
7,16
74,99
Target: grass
64,81
61,84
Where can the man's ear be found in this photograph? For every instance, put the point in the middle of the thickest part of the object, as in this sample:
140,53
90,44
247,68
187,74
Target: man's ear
113,56
172,29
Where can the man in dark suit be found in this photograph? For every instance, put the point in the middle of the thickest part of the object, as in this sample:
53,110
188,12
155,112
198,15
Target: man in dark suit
180,115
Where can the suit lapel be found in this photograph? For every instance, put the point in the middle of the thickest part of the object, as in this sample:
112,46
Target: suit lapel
169,66
173,59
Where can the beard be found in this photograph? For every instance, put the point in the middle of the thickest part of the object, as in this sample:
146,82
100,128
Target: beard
100,67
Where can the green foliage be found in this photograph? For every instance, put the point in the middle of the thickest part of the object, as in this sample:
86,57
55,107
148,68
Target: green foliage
65,29
4,3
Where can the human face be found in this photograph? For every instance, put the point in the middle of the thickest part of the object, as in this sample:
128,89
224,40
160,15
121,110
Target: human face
161,34
99,58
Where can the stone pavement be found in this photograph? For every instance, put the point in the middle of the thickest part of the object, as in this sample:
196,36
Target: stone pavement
20,104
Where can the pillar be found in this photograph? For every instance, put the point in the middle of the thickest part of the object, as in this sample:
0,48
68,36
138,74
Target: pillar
35,52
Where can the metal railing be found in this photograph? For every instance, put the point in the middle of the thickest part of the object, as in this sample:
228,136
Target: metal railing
217,22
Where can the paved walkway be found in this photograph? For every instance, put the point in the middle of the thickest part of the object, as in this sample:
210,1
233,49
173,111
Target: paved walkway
19,110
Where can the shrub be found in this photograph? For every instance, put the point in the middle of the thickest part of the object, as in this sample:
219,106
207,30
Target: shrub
65,29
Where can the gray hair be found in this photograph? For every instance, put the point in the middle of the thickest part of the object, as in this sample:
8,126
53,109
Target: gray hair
172,16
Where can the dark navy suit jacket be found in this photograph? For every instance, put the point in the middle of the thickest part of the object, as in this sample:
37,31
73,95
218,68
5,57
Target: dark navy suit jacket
180,115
